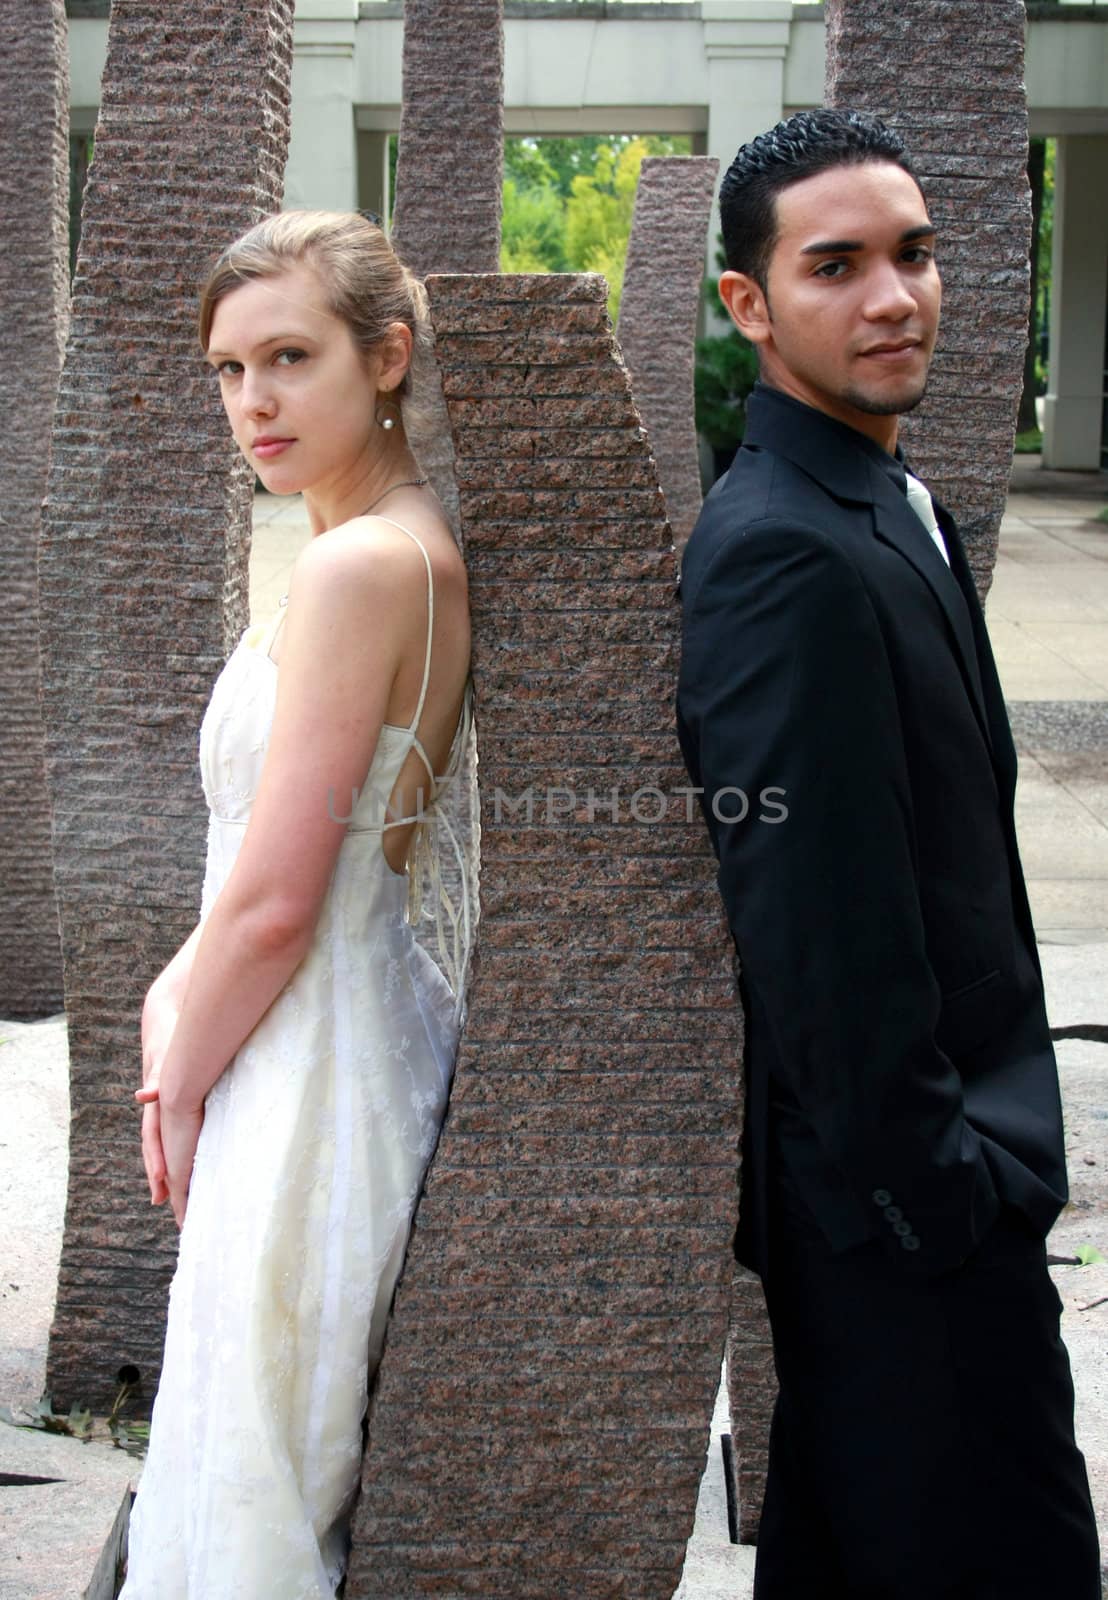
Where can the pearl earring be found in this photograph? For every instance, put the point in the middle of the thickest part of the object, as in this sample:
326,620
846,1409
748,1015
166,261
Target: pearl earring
387,414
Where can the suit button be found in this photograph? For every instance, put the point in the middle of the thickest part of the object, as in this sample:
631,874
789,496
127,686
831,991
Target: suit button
882,1197
903,1230
909,1242
893,1214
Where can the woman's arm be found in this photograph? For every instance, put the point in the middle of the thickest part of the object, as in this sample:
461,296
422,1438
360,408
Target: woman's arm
172,980
161,1008
351,605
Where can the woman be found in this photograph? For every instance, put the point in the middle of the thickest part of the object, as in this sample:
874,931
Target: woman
297,1050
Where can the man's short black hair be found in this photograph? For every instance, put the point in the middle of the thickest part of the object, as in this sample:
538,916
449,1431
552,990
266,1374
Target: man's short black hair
809,142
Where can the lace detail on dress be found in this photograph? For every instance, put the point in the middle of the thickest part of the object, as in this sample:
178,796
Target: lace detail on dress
447,892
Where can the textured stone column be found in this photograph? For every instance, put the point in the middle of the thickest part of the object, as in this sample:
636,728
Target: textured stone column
144,589
451,158
34,306
657,324
966,129
751,1393
657,319
449,175
543,1406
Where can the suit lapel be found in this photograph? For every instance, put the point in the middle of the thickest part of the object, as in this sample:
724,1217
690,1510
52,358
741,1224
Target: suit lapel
897,524
852,468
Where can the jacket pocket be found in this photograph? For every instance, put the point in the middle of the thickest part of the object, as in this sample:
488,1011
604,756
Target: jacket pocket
970,1014
968,989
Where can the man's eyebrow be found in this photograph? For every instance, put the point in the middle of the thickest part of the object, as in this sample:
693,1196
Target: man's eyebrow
845,247
832,247
276,338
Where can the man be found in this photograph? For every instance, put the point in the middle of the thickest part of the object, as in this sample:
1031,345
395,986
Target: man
903,1153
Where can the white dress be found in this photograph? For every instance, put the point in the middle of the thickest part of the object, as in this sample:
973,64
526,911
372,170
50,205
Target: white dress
313,1150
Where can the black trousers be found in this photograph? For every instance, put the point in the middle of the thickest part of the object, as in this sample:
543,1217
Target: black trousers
922,1446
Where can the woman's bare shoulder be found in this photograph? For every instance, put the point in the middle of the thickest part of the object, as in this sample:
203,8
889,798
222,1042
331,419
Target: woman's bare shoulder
374,553
355,562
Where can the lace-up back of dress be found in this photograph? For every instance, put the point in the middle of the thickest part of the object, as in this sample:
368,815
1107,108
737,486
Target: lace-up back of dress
442,848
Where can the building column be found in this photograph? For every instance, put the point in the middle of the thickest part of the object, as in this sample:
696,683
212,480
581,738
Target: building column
373,173
746,42
322,170
1073,415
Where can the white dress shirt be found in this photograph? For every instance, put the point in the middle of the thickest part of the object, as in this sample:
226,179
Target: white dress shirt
920,502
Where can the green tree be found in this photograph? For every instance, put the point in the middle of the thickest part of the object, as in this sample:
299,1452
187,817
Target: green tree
598,215
726,371
532,229
568,203
555,162
528,166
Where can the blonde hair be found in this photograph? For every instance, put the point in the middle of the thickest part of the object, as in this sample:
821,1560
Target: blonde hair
365,282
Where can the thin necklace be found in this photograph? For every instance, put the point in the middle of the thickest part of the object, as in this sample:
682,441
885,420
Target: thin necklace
405,483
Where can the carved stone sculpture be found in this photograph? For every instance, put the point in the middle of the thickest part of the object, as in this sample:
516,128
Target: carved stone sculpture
450,161
751,1395
542,1410
449,175
34,302
144,573
657,319
966,129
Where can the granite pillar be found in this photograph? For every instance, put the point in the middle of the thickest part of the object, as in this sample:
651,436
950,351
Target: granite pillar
449,176
144,590
966,130
542,1409
657,319
34,306
751,1395
451,156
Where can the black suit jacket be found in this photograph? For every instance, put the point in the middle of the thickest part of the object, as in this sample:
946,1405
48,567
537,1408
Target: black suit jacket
898,1057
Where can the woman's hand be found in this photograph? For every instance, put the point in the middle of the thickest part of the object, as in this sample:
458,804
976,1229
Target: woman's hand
179,1132
153,1156
169,1130
159,1018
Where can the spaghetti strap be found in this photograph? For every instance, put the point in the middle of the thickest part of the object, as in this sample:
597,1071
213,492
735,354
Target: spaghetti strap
425,874
414,724
272,629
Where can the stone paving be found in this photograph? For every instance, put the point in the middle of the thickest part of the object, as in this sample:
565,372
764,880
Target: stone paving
1048,616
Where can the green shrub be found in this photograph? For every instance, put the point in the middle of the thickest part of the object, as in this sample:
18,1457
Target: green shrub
726,371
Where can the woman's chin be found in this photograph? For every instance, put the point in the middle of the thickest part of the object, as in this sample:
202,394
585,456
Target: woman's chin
273,480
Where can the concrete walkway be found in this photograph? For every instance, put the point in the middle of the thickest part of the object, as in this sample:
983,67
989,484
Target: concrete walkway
1048,615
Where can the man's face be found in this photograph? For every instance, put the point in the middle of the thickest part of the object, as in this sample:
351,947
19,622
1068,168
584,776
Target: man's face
849,320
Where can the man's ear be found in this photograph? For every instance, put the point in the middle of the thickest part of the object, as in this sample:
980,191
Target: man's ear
746,304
